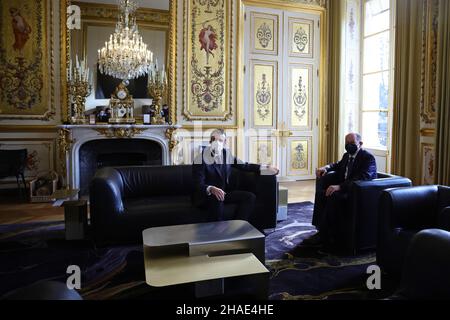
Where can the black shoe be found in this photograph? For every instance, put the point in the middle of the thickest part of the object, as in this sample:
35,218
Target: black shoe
314,240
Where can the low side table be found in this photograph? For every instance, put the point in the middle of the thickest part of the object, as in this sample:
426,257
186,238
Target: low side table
209,255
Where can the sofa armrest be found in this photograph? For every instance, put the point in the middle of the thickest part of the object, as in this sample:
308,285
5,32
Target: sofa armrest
265,187
444,219
105,196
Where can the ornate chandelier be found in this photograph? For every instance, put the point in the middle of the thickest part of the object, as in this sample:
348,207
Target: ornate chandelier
125,56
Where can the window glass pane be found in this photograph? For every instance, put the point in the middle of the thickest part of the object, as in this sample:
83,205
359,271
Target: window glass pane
374,132
376,91
376,53
376,6
376,23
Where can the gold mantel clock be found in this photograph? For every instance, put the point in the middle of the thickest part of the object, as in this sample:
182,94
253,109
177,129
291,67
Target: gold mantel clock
122,105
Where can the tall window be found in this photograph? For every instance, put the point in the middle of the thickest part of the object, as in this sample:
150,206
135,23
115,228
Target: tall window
377,72
367,74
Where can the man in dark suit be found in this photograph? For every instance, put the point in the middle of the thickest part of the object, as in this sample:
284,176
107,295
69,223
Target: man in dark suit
331,190
211,173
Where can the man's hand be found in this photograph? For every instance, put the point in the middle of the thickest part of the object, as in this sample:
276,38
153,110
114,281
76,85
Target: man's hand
272,170
218,193
332,189
320,172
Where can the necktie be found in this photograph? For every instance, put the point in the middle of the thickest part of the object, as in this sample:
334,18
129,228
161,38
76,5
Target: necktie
349,167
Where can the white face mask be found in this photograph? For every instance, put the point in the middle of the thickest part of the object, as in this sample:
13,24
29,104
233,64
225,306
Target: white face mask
217,147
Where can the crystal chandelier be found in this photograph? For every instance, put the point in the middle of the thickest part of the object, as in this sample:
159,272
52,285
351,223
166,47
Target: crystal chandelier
125,56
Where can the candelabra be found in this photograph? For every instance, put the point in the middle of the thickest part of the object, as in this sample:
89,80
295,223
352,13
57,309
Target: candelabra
157,86
79,89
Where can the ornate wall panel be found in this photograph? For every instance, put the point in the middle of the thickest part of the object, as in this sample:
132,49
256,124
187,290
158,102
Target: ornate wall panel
300,96
264,33
299,157
428,163
208,60
26,60
41,155
263,151
301,38
264,97
428,103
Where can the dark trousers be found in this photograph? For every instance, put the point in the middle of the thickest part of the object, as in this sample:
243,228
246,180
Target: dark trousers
328,211
244,200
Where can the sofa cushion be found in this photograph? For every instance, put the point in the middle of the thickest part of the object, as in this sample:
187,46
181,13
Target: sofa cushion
156,181
152,205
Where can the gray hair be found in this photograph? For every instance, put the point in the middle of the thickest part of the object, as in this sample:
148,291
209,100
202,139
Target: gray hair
217,131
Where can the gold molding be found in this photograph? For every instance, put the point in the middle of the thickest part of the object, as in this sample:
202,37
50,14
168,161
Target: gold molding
27,128
64,57
109,12
65,142
170,134
428,132
172,96
428,99
120,132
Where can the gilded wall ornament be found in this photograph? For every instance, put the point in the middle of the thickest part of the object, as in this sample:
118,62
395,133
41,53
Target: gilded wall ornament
65,142
26,60
301,39
171,136
300,98
263,98
207,83
264,35
120,132
299,162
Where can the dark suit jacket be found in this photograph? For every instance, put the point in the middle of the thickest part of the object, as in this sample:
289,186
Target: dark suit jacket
364,168
205,173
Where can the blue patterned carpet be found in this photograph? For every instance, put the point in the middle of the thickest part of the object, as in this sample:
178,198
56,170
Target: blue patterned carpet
37,251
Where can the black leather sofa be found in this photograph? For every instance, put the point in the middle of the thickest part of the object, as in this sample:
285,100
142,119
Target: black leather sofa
403,212
126,200
425,272
357,227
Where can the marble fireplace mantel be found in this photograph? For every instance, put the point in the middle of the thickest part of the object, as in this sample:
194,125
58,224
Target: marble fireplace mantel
72,137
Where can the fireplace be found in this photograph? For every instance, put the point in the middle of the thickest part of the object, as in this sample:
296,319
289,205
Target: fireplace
96,154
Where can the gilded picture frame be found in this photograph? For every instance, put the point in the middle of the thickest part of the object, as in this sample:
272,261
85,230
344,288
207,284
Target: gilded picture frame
27,82
208,60
146,16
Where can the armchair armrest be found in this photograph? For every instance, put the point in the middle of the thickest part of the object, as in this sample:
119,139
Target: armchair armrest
412,208
444,219
425,271
105,195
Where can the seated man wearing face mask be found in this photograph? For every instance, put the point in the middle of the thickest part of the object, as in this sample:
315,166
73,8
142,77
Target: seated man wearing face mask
211,174
331,190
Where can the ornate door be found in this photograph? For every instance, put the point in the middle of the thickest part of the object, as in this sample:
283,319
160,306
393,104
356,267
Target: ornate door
281,94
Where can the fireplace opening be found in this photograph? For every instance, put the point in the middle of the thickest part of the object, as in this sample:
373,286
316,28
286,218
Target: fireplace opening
121,159
97,154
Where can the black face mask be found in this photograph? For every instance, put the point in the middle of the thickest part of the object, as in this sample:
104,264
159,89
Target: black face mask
351,148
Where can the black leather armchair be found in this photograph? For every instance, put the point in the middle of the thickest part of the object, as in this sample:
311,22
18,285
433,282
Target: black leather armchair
403,212
425,272
126,200
357,227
